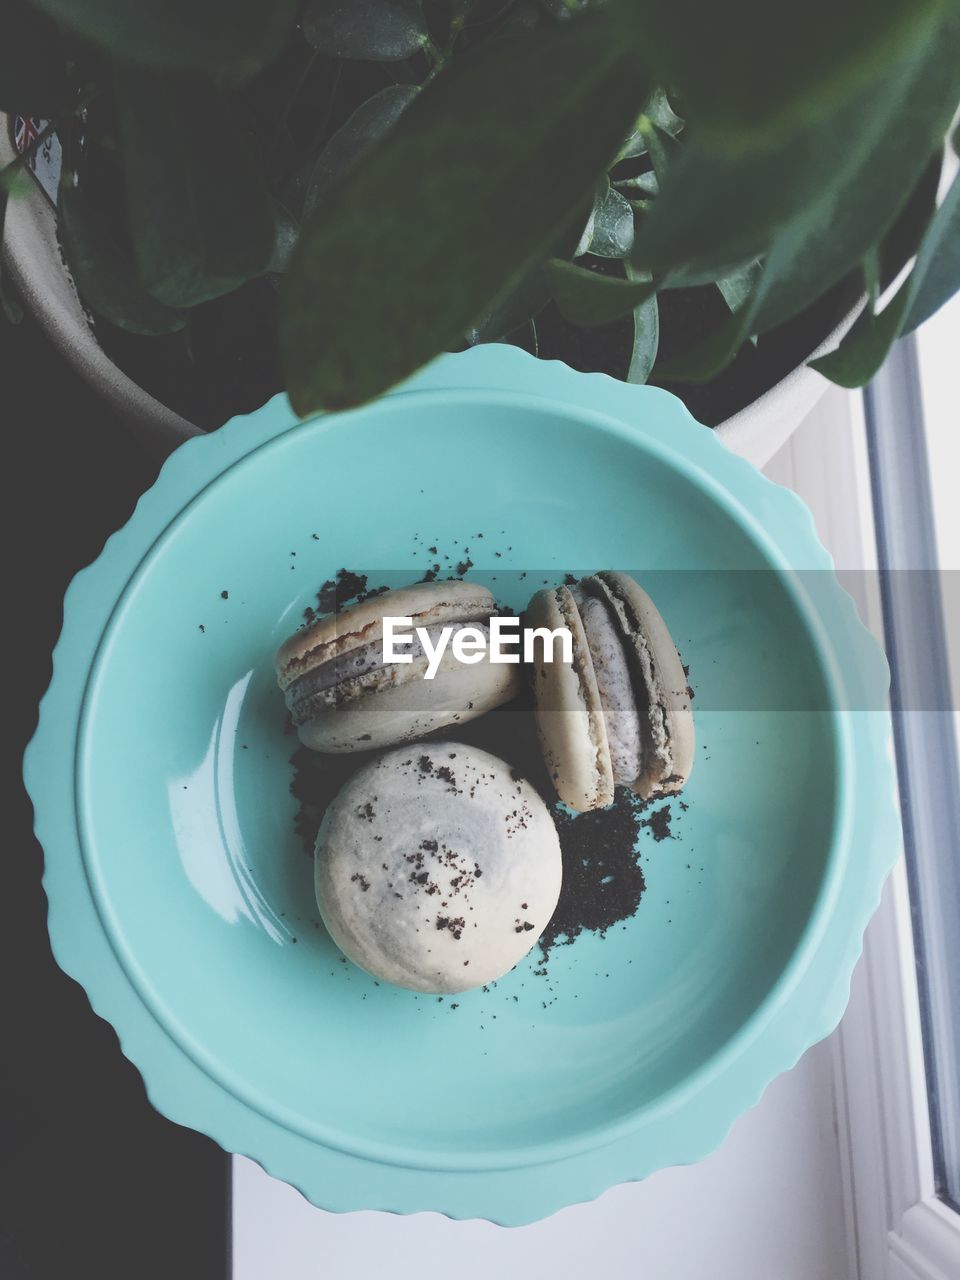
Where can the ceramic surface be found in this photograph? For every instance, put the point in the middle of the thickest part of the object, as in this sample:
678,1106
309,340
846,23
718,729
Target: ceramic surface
181,897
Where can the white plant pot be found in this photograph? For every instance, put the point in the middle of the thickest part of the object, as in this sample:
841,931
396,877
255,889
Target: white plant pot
759,430
34,263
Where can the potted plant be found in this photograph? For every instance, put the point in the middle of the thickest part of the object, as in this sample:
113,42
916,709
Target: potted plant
244,195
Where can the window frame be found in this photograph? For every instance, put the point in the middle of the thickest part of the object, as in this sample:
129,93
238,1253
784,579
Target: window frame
898,1227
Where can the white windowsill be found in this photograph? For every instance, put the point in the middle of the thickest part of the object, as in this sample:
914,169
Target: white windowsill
898,1229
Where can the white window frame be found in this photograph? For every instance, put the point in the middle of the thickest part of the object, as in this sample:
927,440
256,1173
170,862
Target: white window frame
897,1228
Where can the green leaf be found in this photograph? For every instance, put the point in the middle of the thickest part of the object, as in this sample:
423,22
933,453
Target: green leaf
371,121
526,299
286,231
900,243
831,190
833,233
33,68
644,185
646,340
519,308
562,9
712,354
590,298
936,275
525,336
201,220
104,271
513,18
459,11
823,245
864,349
738,285
934,279
656,112
661,148
661,114
750,71
371,294
229,40
611,225
871,277
373,30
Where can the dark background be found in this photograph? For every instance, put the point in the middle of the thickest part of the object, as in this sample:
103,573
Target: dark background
93,1181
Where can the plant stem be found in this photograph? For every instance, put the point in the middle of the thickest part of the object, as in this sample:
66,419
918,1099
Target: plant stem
435,55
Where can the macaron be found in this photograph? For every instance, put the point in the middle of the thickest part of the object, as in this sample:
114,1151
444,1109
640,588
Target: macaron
437,867
343,697
620,712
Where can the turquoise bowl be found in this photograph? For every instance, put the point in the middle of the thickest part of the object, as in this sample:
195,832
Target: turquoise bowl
180,896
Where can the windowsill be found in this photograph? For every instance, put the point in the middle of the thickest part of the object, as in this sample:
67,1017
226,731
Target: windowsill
898,1229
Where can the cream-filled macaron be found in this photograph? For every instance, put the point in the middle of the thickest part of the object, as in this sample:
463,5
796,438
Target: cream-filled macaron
620,712
344,697
437,867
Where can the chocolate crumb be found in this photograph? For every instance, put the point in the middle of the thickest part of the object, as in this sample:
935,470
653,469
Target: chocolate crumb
659,823
603,881
345,588
454,925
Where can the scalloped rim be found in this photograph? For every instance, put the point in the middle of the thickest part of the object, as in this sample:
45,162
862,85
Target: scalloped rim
693,1124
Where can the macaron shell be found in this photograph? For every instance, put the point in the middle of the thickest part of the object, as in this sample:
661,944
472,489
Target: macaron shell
568,709
647,630
397,704
437,868
427,603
